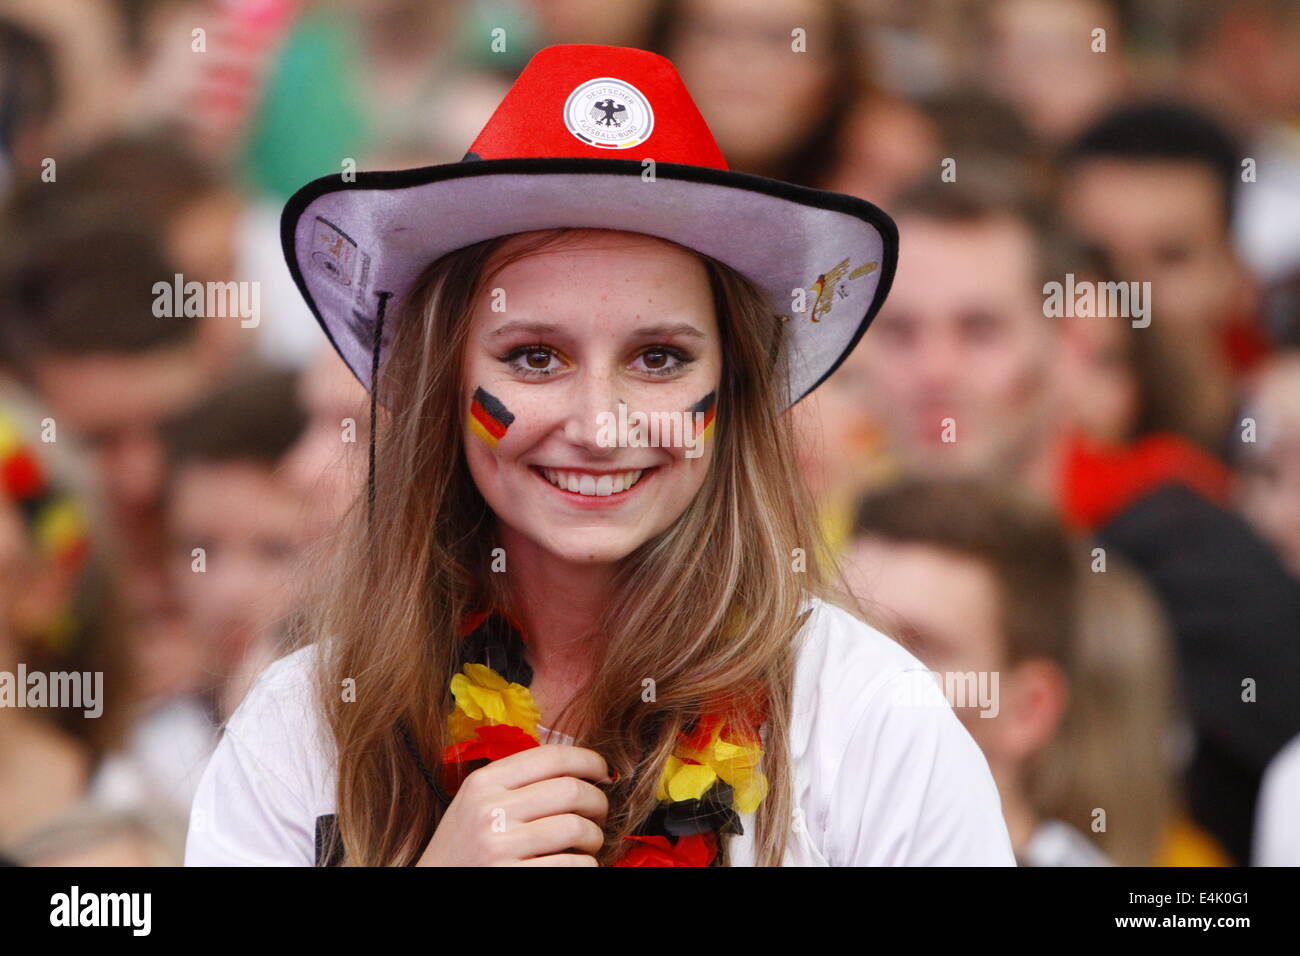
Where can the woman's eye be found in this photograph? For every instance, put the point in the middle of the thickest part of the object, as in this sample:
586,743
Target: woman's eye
532,360
540,360
664,361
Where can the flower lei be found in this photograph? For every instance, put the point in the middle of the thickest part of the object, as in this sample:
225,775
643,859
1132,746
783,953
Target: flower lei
52,518
711,777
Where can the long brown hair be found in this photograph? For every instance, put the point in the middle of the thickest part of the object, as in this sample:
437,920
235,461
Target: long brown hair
709,609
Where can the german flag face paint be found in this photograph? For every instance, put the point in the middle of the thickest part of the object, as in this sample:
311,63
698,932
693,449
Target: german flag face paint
707,406
488,417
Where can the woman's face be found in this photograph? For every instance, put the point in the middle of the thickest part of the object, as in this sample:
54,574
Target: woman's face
557,340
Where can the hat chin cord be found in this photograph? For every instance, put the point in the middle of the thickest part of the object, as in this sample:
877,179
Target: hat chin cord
374,389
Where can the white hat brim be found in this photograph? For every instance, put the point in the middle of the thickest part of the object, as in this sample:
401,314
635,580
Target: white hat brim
348,241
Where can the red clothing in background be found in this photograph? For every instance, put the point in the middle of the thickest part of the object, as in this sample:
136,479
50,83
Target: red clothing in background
1098,480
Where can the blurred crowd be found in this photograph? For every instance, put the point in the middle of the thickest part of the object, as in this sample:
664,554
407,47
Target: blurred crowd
1102,510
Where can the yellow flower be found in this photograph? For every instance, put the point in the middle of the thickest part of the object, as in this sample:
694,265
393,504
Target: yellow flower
58,526
734,764
484,697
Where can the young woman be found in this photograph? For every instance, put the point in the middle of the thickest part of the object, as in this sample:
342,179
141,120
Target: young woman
530,568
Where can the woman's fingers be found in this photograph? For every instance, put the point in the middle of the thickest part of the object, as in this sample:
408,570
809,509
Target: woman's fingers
541,763
537,807
557,795
555,834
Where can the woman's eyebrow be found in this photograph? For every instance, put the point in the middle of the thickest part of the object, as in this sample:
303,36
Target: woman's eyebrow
683,328
536,328
546,328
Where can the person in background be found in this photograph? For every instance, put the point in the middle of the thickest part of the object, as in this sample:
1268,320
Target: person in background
842,452
110,383
775,111
1045,59
60,613
892,146
593,21
1125,739
92,836
1151,189
887,144
1241,61
87,42
28,102
234,532
152,180
966,377
327,465
982,589
1267,487
234,523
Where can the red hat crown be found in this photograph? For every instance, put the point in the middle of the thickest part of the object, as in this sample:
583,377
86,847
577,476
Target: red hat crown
582,100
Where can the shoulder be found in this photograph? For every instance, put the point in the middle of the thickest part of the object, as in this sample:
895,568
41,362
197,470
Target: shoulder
284,693
840,651
271,776
279,721
1277,836
889,774
846,669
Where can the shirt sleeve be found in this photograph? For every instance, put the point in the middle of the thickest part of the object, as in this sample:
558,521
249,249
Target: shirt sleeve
913,788
244,815
251,805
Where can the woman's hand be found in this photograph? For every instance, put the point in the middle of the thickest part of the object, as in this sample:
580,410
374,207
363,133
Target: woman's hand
533,808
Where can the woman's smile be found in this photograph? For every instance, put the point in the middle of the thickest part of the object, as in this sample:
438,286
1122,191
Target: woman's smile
594,489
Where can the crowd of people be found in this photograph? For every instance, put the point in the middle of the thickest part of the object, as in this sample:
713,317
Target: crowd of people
1062,467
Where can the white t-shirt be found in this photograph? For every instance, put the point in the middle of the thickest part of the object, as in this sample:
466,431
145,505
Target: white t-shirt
1277,819
884,774
1056,843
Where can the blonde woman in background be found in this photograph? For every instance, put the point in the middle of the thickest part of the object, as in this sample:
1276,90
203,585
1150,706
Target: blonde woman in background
1123,740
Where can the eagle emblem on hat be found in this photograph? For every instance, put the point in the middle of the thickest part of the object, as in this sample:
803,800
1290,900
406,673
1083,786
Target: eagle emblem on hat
609,113
828,284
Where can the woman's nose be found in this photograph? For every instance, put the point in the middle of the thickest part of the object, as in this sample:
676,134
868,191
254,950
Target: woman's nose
594,407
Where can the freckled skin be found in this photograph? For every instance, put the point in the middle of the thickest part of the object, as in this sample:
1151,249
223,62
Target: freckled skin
598,356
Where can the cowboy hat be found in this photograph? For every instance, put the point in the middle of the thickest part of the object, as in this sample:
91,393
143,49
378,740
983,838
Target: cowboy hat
598,137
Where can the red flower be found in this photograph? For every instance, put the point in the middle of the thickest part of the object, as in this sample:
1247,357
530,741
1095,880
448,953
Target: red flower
702,735
698,849
490,742
22,475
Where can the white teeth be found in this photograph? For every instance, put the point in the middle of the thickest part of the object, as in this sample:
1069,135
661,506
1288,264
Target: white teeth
584,484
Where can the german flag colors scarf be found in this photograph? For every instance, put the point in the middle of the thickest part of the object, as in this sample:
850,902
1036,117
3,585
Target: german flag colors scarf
710,779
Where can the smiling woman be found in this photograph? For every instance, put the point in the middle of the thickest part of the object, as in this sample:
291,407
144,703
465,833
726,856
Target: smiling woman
658,619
